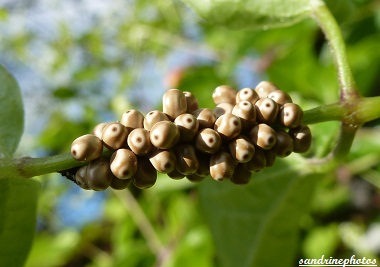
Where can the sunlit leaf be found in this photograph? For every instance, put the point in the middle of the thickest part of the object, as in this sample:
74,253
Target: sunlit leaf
257,225
321,240
11,113
251,14
18,208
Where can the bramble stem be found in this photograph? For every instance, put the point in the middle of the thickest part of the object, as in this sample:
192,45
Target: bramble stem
332,32
332,112
27,167
366,109
348,110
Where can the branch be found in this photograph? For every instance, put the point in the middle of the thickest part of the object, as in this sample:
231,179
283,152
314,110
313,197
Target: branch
27,167
142,222
333,35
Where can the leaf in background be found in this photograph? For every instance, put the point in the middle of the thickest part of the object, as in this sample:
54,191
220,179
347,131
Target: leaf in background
18,208
64,93
257,225
11,113
251,14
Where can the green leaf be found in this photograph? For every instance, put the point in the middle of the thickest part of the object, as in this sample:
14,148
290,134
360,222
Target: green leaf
251,13
11,113
257,225
18,207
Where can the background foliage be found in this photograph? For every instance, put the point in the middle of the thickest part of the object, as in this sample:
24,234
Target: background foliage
82,62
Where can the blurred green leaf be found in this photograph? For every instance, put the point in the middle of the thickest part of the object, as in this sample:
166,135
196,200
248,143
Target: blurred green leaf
11,113
248,220
87,73
64,93
3,14
18,208
197,241
322,240
251,14
61,247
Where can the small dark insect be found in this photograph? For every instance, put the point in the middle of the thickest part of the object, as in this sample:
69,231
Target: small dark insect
70,173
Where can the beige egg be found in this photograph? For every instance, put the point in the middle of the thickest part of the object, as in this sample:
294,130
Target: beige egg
187,125
98,129
114,135
241,149
132,119
153,117
263,136
191,101
174,103
162,160
264,88
222,166
205,117
208,140
228,126
290,115
280,97
223,108
139,141
246,112
247,94
266,110
86,147
224,94
164,134
123,163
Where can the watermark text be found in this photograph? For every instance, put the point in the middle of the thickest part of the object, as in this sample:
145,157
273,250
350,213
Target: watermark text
353,261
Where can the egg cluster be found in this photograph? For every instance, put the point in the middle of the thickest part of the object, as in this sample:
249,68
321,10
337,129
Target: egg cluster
244,133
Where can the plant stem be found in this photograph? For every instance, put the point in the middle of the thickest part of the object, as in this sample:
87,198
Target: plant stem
365,109
27,167
141,221
349,109
332,32
345,140
332,112
368,109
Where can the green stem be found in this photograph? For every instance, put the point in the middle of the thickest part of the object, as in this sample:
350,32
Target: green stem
368,109
27,167
340,151
348,110
332,112
345,140
329,26
365,109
